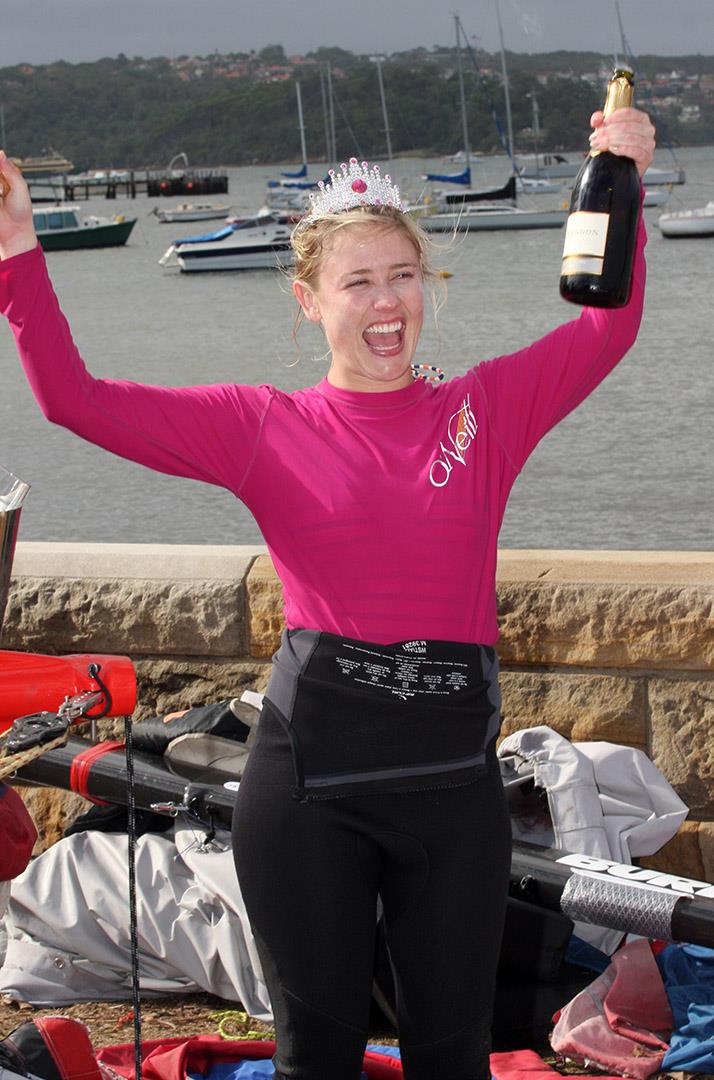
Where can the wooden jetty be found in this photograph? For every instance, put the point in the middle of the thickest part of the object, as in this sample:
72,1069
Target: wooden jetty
128,183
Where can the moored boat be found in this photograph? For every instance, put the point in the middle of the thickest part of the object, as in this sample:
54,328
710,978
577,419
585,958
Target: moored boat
488,217
688,223
548,167
48,164
654,176
60,228
192,212
252,243
656,196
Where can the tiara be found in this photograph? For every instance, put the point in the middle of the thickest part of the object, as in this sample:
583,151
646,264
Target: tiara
355,185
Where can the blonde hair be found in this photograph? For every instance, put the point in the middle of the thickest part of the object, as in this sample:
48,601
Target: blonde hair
311,242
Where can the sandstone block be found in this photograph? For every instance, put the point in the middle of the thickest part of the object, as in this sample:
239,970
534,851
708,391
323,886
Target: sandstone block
265,608
52,810
690,853
607,625
581,707
181,618
180,600
169,685
681,727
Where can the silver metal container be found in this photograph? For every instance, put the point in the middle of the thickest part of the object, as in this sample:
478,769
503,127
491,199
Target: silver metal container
12,496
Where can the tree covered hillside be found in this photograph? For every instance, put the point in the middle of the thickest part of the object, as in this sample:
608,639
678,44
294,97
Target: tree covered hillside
240,109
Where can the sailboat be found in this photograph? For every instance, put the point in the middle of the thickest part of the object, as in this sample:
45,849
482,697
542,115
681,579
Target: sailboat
487,209
290,192
533,184
654,176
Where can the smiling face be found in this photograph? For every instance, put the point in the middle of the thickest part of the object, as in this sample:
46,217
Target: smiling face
369,298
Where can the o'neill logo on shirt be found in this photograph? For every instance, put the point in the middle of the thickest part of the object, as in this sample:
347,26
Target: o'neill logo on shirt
460,433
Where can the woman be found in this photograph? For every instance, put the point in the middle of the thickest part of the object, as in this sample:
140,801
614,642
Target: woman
374,775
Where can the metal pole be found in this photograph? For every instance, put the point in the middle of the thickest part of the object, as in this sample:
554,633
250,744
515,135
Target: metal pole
506,90
462,95
301,124
325,115
536,125
331,102
378,61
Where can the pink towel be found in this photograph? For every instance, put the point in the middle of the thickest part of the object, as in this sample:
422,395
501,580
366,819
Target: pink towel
622,1020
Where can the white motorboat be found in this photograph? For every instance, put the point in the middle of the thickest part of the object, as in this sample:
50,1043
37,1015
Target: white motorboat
485,217
191,212
682,223
653,176
250,243
528,185
548,167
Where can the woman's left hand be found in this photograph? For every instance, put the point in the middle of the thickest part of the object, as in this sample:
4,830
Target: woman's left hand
627,132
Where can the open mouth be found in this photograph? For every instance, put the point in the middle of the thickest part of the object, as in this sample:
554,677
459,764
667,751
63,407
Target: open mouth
385,339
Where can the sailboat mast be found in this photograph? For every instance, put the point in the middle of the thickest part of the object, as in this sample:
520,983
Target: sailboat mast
323,95
301,123
331,104
536,124
378,61
506,89
626,53
462,95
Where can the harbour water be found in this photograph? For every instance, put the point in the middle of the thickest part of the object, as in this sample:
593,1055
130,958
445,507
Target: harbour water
631,468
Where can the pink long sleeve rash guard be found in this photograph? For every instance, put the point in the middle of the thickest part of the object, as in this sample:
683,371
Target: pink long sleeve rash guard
381,511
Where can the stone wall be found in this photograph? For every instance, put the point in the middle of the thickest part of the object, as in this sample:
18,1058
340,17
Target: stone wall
617,646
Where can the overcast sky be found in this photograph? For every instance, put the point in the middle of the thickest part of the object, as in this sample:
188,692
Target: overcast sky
39,31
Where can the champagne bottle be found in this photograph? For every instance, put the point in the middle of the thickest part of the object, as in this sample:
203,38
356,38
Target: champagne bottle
602,226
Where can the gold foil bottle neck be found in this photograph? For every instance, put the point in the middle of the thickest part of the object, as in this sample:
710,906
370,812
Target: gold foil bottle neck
620,91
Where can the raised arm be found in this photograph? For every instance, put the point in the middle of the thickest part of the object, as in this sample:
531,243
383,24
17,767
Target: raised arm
530,391
203,432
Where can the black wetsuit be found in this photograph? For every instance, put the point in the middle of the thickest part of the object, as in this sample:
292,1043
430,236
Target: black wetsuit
374,776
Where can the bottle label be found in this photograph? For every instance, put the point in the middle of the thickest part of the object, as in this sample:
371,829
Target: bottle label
581,264
586,234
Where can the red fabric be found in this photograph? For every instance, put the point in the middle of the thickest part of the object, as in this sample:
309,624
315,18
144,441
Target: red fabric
636,1005
18,834
526,1065
68,1042
621,1020
171,1059
81,767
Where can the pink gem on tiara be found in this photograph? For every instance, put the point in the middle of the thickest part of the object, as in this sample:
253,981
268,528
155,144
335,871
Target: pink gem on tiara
359,185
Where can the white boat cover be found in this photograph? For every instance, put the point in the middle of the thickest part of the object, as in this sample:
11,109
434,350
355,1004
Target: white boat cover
68,923
603,799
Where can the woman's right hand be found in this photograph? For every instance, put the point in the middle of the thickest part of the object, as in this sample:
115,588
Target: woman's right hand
17,232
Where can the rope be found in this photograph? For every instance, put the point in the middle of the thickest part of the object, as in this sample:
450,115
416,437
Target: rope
133,931
10,763
234,1024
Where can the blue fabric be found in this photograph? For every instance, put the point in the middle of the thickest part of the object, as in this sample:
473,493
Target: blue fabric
219,234
258,1070
302,171
240,1070
688,975
388,1051
451,178
583,954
